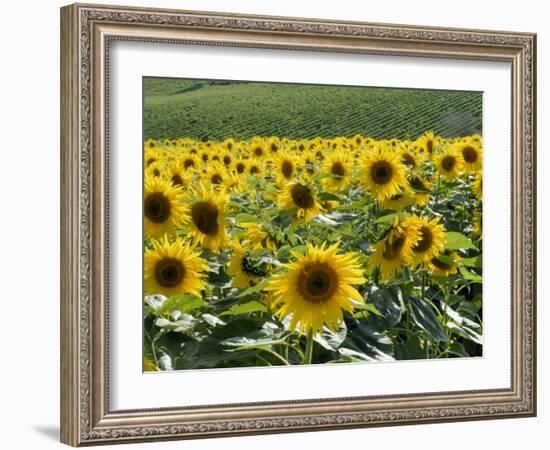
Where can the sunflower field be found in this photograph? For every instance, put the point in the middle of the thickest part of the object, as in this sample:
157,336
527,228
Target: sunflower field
273,251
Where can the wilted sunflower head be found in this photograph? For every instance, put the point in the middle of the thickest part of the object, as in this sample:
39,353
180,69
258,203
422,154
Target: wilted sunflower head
162,211
383,173
316,288
172,268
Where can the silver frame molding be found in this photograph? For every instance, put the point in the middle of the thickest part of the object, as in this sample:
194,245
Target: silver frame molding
86,33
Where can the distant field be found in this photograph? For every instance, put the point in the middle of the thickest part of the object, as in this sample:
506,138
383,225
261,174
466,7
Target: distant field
216,110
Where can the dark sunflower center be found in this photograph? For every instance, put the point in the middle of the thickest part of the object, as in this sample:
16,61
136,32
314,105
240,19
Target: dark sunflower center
188,163
381,172
393,249
205,157
301,196
169,272
470,155
150,161
408,160
287,168
177,180
216,178
240,167
205,217
254,170
448,163
156,172
274,147
227,160
317,283
151,144
337,169
157,207
430,146
258,151
425,242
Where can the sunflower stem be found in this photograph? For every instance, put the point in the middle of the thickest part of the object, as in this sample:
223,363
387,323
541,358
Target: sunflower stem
309,347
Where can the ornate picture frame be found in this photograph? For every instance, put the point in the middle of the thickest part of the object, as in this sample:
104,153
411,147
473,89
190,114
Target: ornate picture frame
87,31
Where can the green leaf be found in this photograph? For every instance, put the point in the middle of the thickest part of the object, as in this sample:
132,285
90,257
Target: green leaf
424,316
457,241
184,303
470,276
328,196
246,218
185,322
465,332
474,261
245,308
253,289
388,218
332,340
458,349
412,349
389,303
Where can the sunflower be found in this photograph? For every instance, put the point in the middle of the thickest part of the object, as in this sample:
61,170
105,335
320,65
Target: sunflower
299,199
205,217
216,174
410,157
172,268
398,201
427,144
316,288
432,238
149,366
395,249
177,176
161,208
240,167
258,237
189,162
227,159
338,165
152,154
258,149
477,186
471,155
255,168
383,173
449,163
478,225
421,188
246,270
155,169
284,166
444,264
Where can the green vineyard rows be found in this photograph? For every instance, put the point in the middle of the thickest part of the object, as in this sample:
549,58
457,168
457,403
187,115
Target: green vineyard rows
215,110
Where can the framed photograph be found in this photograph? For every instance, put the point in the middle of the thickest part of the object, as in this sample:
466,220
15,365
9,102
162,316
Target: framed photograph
275,224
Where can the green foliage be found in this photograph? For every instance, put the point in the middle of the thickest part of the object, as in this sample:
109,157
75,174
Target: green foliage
214,110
